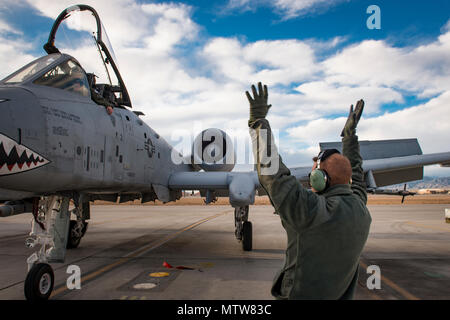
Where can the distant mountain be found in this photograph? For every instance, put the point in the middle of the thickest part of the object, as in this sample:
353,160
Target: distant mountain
426,183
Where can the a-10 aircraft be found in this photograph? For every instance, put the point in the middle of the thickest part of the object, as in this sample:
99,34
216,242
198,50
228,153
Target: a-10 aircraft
57,145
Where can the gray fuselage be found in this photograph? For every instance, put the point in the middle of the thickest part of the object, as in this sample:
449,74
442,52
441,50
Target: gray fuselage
86,150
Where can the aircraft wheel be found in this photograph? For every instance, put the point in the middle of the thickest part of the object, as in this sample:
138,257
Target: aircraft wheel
39,282
75,234
247,237
84,229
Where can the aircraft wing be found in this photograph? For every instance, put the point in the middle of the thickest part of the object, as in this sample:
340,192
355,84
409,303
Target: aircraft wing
239,186
222,180
389,171
385,163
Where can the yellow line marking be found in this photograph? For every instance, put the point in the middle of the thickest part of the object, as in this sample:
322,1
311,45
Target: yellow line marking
427,227
394,286
138,252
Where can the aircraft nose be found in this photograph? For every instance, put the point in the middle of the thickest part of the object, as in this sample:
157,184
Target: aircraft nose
22,131
17,106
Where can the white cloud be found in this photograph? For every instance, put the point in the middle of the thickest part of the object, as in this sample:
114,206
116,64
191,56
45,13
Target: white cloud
333,98
429,122
274,62
5,28
424,69
233,4
294,8
12,52
288,9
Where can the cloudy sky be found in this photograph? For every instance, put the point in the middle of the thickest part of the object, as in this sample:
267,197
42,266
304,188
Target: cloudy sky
187,64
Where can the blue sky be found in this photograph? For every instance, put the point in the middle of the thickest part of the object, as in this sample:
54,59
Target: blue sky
189,63
401,20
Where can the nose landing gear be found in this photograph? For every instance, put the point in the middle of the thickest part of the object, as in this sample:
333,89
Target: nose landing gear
50,229
39,282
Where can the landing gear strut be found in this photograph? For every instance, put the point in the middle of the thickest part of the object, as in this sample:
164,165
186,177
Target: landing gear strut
243,230
50,230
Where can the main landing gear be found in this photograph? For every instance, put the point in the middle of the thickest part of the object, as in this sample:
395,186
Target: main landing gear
53,230
243,230
77,229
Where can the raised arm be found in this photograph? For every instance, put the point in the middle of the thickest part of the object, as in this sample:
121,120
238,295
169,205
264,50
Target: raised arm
295,204
350,149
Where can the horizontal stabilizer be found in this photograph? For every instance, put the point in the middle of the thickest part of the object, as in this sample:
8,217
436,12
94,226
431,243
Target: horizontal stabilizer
393,161
381,149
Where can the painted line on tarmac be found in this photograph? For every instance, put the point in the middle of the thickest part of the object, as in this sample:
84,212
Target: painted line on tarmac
406,294
138,252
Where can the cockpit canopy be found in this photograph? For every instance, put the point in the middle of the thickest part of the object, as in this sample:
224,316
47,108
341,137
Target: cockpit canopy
62,71
67,75
31,69
102,44
56,71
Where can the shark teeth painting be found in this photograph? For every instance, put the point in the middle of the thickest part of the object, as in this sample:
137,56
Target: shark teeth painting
17,158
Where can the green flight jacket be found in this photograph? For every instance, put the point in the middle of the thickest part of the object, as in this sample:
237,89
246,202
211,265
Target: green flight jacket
326,232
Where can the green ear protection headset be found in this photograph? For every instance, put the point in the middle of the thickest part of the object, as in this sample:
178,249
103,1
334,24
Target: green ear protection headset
319,178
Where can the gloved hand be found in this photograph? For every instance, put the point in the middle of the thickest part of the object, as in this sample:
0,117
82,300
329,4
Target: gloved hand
353,119
258,104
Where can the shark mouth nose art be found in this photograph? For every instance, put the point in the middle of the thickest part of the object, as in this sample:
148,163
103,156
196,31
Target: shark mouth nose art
16,158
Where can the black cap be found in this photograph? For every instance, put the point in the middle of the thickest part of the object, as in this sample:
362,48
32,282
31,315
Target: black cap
324,154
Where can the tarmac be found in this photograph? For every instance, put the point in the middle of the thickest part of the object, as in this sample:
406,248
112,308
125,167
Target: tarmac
127,251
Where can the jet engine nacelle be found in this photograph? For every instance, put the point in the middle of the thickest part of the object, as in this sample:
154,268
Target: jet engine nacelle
213,150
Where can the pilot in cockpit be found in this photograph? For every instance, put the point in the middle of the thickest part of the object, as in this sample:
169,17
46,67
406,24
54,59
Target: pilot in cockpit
96,96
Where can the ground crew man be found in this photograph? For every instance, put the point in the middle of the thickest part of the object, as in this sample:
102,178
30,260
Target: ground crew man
327,229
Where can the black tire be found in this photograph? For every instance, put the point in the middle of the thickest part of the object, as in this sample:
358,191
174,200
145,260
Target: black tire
247,236
39,282
73,240
85,226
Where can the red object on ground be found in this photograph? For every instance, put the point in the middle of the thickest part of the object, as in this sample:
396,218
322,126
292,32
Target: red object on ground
168,266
